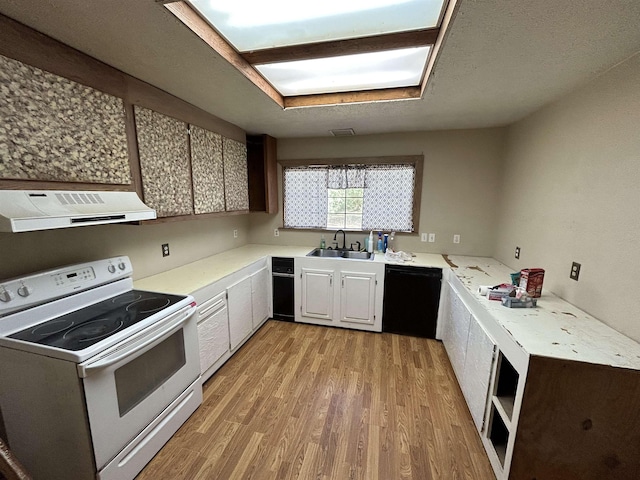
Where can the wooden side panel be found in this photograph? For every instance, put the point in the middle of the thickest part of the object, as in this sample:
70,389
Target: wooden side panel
164,162
578,421
207,171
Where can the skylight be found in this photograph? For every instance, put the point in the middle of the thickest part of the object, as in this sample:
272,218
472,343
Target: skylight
316,53
256,24
364,71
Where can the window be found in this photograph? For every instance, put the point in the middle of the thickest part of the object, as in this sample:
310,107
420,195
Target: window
372,196
345,208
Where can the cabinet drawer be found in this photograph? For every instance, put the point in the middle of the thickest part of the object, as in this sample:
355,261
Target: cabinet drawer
213,331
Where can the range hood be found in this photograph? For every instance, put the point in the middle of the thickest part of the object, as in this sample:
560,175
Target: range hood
28,210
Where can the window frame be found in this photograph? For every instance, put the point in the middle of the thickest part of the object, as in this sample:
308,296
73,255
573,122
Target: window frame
416,160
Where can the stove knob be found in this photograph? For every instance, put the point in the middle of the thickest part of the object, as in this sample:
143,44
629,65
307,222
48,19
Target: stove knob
5,296
111,268
25,291
122,266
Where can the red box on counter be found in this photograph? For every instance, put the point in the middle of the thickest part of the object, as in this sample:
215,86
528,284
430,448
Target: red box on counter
531,280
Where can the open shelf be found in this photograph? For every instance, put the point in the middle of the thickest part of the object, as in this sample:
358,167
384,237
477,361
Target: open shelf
506,385
498,434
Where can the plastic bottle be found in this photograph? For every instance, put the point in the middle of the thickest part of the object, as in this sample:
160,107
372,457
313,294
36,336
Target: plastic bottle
323,244
370,243
380,246
385,243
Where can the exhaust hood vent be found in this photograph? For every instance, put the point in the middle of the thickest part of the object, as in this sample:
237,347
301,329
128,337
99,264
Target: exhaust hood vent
342,132
28,210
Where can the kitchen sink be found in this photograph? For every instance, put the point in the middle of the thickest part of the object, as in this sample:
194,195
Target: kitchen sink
328,253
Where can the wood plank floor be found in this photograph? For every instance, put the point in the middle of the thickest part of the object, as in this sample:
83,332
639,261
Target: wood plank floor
308,402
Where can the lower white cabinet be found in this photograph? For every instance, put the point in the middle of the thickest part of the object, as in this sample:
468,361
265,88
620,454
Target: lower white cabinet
230,310
340,293
357,298
481,353
471,351
317,293
240,311
260,282
213,330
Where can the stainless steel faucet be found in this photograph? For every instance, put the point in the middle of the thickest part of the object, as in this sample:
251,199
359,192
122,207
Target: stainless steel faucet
344,239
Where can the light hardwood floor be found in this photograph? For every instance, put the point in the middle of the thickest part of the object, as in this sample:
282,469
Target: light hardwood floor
308,402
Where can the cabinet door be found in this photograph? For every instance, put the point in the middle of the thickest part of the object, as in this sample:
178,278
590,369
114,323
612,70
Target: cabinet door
236,181
54,129
481,352
163,147
357,297
206,171
213,331
317,293
456,332
260,296
240,315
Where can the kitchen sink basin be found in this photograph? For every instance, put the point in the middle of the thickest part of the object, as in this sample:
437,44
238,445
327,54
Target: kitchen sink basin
328,253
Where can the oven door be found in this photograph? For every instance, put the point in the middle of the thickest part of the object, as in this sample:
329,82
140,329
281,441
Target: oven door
130,384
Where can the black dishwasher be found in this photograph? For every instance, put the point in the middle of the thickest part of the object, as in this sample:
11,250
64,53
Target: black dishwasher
411,299
283,298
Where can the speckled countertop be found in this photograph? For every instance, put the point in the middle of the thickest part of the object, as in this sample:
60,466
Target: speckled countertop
555,328
193,276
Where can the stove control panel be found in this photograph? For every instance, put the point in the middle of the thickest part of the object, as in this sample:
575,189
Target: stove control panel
22,292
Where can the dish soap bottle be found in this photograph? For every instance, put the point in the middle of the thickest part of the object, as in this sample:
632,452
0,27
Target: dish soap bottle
323,244
370,243
380,241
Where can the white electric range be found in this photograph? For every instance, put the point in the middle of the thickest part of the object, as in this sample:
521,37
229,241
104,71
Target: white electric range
95,376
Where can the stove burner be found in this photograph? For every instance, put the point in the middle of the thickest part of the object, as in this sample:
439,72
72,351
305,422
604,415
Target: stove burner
149,305
126,298
96,329
52,327
94,323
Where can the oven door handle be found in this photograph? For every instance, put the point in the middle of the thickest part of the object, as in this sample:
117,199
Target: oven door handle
172,326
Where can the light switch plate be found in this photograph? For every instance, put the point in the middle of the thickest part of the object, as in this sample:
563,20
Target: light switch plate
423,237
432,237
456,238
276,232
235,234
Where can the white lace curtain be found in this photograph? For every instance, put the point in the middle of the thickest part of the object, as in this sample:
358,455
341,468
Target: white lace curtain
388,194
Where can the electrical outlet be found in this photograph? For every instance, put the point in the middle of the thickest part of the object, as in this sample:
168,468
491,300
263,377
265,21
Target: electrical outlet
432,237
517,252
423,237
575,271
165,249
235,234
456,238
276,233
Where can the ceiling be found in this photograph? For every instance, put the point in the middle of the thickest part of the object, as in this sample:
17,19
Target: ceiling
500,61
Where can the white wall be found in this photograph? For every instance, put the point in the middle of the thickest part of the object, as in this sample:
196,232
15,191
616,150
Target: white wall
461,176
571,192
28,252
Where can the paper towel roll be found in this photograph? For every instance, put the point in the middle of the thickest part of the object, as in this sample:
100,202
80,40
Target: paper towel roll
484,289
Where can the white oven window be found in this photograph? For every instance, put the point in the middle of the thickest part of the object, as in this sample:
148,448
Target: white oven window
140,377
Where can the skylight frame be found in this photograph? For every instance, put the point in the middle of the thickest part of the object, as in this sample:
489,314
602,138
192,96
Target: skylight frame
245,62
